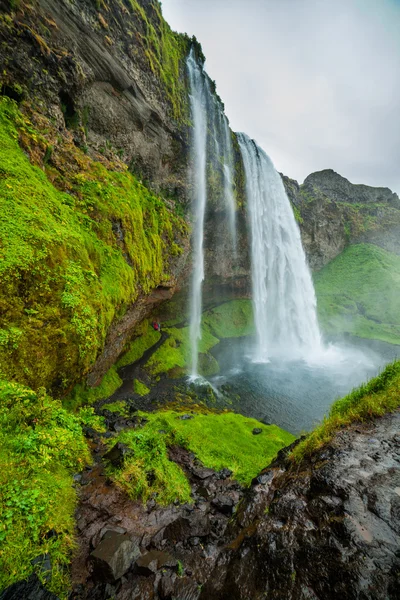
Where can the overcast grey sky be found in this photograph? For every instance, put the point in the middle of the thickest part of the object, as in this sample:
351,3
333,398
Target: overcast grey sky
315,82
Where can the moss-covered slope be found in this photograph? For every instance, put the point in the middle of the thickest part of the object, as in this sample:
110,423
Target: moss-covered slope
73,257
222,440
41,446
359,293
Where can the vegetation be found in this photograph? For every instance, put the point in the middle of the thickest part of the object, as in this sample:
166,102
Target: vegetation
166,52
83,395
41,446
218,440
359,293
65,274
230,319
378,396
146,338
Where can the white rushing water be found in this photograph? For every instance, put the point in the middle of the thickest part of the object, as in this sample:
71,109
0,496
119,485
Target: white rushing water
283,292
198,105
228,183
211,149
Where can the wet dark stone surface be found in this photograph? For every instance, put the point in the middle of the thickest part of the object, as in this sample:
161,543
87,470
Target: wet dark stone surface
31,589
328,528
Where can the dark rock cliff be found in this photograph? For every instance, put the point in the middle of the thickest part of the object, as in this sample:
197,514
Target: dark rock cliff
333,213
328,528
93,66
323,529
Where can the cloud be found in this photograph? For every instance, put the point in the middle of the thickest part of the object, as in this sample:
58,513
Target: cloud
315,82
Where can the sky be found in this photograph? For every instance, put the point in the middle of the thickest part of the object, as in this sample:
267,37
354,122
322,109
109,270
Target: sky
315,82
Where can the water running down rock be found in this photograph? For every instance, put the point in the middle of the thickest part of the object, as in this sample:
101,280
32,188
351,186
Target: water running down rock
211,150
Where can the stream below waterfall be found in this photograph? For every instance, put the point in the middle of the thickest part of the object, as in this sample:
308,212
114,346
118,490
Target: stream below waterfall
295,395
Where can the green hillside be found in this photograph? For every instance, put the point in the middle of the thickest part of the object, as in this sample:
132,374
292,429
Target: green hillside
359,293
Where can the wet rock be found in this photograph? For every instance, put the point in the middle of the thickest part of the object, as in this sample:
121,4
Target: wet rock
149,563
224,473
177,530
203,492
90,433
166,585
185,417
117,455
186,589
202,472
31,589
51,534
113,556
257,431
330,528
224,504
106,531
42,565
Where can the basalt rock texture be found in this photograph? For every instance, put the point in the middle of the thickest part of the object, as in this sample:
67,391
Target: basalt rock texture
333,213
328,528
93,65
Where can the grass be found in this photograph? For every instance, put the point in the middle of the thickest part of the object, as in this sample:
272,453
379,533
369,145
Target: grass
359,293
65,275
41,446
375,398
218,440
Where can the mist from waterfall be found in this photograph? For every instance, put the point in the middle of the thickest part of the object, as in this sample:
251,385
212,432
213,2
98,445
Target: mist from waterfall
283,293
211,152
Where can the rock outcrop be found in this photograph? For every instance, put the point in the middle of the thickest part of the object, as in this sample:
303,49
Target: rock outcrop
328,527
333,213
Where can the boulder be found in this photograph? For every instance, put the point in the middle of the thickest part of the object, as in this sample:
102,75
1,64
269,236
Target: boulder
113,556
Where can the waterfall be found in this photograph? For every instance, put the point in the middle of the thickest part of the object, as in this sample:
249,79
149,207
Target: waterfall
283,292
228,183
198,105
211,153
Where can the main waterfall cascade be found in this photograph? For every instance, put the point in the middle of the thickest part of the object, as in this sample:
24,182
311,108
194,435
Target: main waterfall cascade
283,292
211,149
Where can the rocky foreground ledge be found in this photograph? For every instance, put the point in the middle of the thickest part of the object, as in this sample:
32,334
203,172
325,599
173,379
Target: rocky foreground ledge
324,529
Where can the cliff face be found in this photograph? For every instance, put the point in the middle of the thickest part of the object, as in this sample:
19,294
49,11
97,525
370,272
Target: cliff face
89,249
329,529
333,213
113,73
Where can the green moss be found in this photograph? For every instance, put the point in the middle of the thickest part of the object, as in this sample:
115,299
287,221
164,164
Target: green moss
218,440
140,388
231,319
65,275
41,446
297,214
146,338
375,398
166,52
119,407
82,394
359,293
175,351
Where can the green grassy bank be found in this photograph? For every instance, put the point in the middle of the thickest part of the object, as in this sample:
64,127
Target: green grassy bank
218,440
359,293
